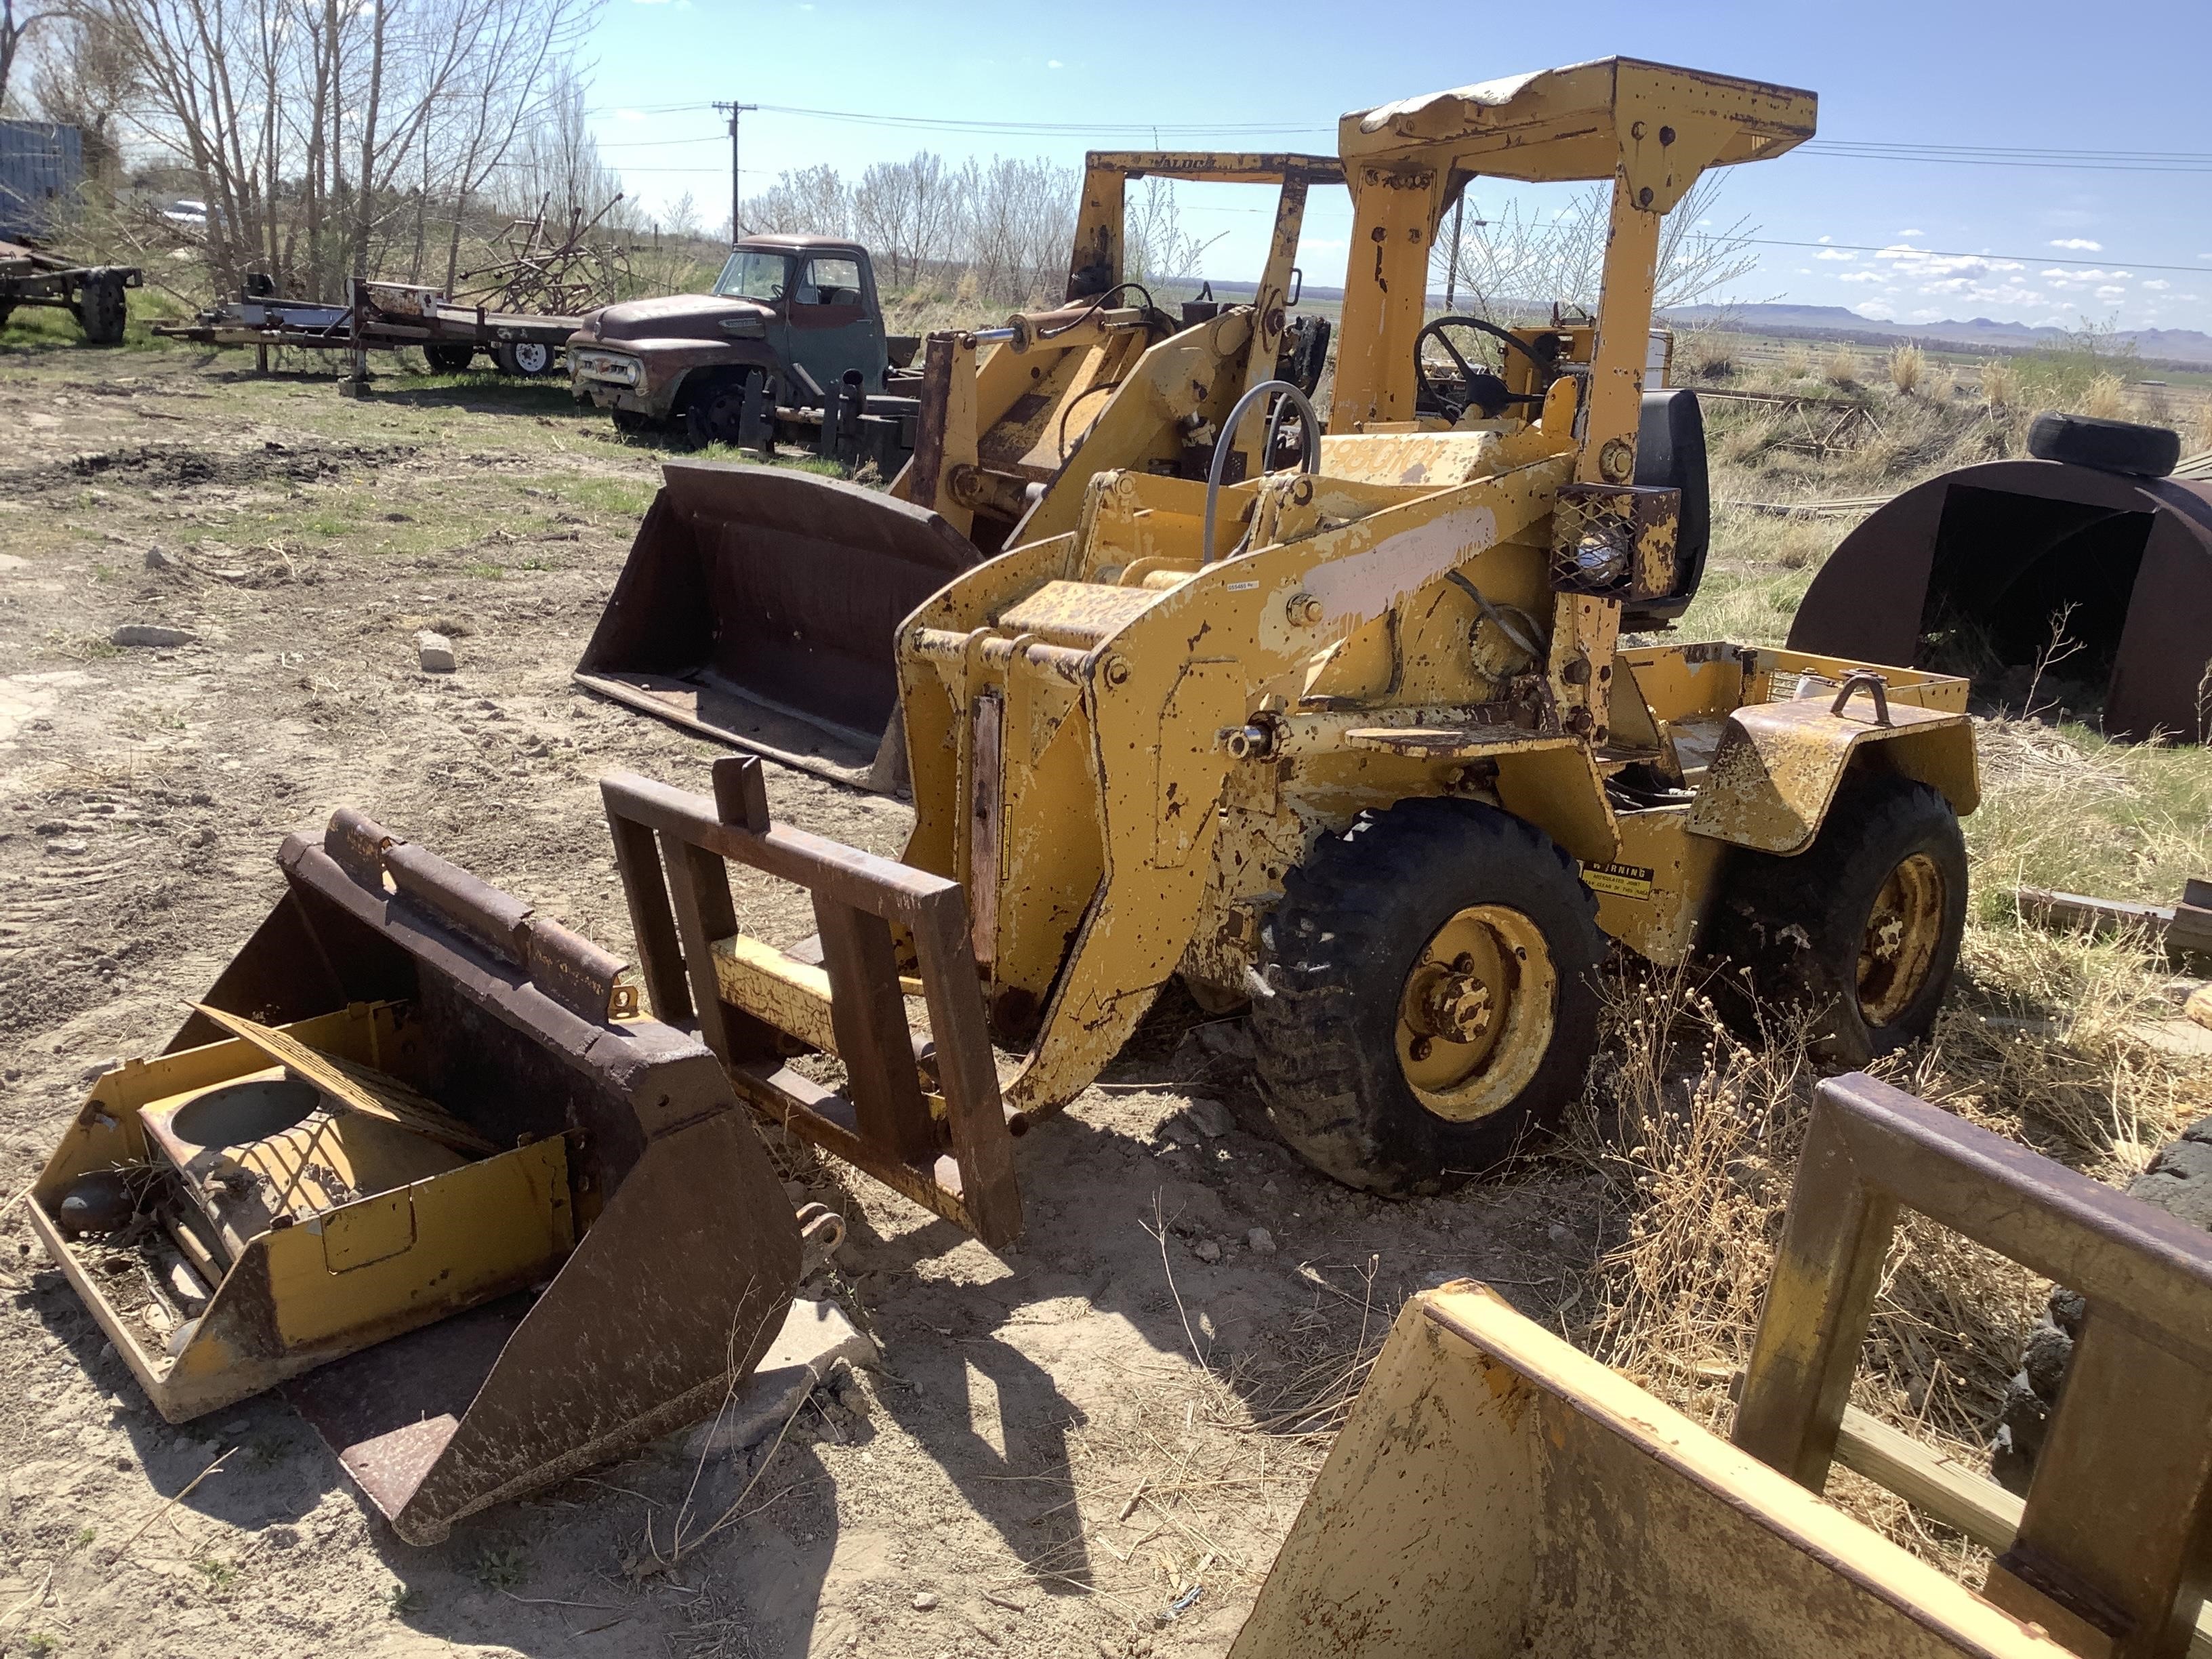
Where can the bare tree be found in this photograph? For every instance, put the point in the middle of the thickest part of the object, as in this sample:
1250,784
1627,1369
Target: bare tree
903,210
1154,246
85,77
14,27
810,200
1016,221
1521,260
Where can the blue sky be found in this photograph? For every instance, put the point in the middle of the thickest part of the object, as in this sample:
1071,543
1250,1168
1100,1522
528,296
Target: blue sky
1953,240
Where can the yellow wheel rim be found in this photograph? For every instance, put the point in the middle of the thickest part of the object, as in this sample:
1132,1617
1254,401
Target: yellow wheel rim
1903,933
1475,1015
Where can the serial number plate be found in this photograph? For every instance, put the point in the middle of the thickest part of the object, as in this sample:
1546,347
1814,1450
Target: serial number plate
1625,880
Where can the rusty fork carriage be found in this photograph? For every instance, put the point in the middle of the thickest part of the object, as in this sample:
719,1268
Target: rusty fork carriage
921,1114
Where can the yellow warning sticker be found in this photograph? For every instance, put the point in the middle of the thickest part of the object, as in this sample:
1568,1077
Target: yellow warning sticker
1624,880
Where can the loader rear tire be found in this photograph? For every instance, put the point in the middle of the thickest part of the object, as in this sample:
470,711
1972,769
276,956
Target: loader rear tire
1857,935
101,309
1435,995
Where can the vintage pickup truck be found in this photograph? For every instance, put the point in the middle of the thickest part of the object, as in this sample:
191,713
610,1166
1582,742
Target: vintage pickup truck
792,329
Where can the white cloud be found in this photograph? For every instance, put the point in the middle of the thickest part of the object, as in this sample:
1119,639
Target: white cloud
2078,244
1835,253
1831,239
1053,62
2111,291
2006,265
1860,276
1903,233
2159,284
1876,311
1928,314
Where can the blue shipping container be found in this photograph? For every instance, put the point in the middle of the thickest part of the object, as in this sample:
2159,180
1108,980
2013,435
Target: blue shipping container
41,163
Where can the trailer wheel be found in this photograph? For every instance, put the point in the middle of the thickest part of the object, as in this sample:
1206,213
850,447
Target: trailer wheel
715,414
526,358
449,356
1860,932
100,308
1435,995
7,310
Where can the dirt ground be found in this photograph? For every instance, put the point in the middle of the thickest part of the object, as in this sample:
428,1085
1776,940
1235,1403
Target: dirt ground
1064,1440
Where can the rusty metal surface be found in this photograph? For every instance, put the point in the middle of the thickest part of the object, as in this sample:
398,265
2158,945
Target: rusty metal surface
751,589
2000,546
2109,1552
688,1252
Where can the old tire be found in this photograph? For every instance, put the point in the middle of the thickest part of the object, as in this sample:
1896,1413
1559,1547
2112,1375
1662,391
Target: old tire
1859,934
715,411
449,356
2139,452
102,310
1435,995
632,422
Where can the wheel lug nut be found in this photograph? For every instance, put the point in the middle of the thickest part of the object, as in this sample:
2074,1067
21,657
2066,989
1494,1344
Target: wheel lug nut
1421,1048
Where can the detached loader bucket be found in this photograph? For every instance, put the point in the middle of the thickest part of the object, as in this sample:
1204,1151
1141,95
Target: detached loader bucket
1495,1493
760,607
416,1158
1970,571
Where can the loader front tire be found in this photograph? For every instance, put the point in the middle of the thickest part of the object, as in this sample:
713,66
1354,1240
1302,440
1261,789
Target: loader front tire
1857,935
1435,998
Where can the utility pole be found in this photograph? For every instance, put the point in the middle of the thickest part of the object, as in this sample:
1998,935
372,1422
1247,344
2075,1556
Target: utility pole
736,178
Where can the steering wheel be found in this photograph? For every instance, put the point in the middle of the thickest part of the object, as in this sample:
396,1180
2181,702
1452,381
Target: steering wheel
1485,392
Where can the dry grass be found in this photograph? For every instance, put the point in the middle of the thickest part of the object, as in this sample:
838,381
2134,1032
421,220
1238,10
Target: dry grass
2000,387
1908,367
2106,398
1841,366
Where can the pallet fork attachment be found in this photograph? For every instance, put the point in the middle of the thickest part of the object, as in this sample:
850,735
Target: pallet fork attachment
923,1115
2108,1554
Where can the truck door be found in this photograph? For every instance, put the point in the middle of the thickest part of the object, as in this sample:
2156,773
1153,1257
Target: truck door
835,324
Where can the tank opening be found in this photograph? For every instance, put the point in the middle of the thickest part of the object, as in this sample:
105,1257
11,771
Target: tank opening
2019,582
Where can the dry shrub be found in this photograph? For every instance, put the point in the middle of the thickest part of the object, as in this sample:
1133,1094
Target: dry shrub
2106,398
1706,355
1942,384
1842,367
1797,363
1908,367
2001,386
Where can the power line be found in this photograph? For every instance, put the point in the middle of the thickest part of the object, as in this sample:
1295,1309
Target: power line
2053,160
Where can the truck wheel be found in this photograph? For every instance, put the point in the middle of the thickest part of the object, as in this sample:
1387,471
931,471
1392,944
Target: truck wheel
100,308
449,356
1860,930
1434,971
716,412
526,358
632,422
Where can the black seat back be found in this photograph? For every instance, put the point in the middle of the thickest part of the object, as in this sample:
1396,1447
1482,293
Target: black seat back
1670,453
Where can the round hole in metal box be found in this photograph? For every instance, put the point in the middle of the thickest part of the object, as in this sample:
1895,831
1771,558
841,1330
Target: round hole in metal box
245,1112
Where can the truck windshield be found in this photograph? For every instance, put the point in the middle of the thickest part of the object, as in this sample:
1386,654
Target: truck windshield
751,274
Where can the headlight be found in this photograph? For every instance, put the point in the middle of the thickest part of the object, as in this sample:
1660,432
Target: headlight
599,366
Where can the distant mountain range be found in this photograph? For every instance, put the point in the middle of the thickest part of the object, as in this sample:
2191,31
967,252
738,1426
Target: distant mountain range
2186,346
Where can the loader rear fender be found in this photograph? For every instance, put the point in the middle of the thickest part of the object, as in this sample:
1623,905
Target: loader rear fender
1780,765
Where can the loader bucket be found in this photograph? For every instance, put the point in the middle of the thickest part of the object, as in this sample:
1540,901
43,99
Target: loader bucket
1496,1493
1969,571
416,1159
759,607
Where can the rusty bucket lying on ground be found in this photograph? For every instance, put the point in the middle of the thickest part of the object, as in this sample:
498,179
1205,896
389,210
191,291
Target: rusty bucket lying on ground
1980,562
1497,1492
759,606
416,1158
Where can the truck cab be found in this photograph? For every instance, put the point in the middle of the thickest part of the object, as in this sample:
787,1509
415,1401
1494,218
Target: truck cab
790,315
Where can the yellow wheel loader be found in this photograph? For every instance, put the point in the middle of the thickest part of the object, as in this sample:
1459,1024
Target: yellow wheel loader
1359,742
760,605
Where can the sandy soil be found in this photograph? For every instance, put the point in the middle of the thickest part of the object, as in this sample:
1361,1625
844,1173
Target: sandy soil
1065,1439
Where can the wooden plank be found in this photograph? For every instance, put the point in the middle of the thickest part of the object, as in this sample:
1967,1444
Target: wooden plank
1947,1489
357,1088
868,1013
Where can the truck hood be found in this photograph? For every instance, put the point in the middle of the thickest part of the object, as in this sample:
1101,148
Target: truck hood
675,316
